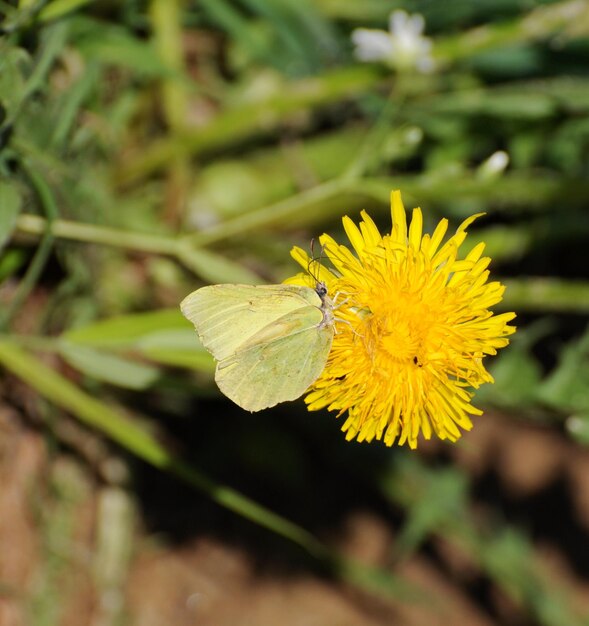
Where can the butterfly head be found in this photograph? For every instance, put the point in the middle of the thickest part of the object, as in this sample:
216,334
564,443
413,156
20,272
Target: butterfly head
321,290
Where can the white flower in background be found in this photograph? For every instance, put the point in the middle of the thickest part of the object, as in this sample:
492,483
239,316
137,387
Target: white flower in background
494,166
404,47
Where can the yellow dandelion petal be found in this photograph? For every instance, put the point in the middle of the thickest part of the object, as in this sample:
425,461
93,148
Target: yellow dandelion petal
436,239
354,235
476,252
300,256
341,258
370,232
468,221
399,232
314,271
415,229
413,328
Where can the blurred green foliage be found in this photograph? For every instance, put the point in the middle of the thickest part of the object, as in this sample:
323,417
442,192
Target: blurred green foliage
147,148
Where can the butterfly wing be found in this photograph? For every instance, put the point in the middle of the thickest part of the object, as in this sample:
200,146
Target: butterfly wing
278,363
227,316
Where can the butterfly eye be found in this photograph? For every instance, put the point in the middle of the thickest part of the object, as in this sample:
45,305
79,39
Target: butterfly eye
321,289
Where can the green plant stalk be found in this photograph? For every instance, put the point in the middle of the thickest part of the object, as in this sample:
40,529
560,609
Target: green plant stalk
330,199
335,197
166,20
209,265
130,437
92,233
273,173
546,294
172,246
344,195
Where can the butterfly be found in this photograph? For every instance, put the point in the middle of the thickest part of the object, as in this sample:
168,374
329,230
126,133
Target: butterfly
271,342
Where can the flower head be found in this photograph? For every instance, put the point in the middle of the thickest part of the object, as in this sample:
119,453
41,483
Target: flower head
413,326
403,47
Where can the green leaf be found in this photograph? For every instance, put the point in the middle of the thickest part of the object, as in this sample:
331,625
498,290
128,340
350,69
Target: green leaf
103,41
545,294
179,347
442,501
11,261
126,330
10,206
507,558
567,386
163,336
14,64
109,368
517,378
58,8
501,103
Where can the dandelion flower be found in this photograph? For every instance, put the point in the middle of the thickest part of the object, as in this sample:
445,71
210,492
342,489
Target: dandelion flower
403,47
413,328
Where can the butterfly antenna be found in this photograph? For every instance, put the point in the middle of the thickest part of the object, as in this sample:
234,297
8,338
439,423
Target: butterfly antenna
313,262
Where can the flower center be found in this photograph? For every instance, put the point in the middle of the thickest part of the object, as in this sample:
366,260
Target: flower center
398,339
401,329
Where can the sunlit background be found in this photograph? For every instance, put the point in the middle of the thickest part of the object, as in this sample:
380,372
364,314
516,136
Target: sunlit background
149,148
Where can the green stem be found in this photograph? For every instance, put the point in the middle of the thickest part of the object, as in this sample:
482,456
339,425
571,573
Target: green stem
322,201
546,294
92,233
266,216
209,265
166,22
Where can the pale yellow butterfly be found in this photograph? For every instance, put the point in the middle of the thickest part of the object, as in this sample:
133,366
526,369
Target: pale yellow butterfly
270,342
